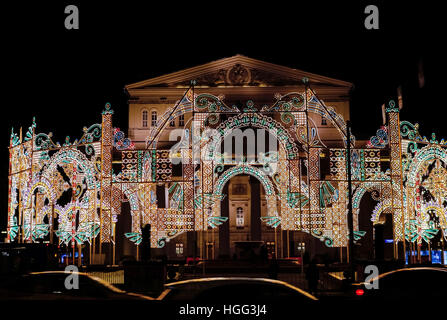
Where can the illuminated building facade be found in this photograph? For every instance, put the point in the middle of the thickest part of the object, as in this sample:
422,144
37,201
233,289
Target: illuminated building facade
232,152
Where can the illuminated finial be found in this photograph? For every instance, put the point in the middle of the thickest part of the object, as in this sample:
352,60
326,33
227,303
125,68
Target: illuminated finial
14,138
392,107
67,141
433,139
108,109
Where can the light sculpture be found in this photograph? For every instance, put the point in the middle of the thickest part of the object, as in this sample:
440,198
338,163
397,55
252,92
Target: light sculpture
299,195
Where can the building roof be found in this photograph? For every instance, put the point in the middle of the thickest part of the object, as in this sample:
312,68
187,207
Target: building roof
239,71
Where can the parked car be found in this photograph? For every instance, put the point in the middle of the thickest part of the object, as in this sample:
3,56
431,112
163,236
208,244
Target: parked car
407,284
50,285
234,289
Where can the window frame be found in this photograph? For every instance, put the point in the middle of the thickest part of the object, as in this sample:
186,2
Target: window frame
181,120
144,118
154,122
240,217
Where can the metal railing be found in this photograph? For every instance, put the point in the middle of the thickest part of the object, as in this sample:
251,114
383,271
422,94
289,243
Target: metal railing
112,277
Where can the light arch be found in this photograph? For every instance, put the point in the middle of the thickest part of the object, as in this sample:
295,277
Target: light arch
430,152
382,188
42,183
72,155
254,172
256,120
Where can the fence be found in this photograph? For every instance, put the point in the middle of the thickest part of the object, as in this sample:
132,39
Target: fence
112,277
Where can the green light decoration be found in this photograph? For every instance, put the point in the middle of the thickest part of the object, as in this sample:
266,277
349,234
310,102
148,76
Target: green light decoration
219,168
319,234
409,130
108,109
328,194
272,221
414,232
135,237
176,192
391,107
161,242
289,102
29,133
67,142
212,104
250,107
296,199
39,231
13,229
15,140
358,235
64,236
86,232
214,222
208,200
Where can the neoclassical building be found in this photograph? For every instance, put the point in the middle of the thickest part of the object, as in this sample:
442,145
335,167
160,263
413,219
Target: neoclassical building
233,154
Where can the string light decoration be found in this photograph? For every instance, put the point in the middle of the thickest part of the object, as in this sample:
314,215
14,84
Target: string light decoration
74,183
120,141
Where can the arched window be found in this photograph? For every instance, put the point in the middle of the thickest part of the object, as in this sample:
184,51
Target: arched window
144,117
239,217
154,118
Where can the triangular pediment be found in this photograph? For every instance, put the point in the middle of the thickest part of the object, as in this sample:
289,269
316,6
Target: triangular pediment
236,71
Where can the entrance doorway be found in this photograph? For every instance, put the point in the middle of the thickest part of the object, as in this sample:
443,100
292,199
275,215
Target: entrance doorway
244,205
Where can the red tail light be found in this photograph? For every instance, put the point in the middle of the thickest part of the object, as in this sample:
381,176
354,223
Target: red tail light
359,292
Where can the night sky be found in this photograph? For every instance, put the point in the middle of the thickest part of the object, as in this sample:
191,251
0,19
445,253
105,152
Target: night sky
64,77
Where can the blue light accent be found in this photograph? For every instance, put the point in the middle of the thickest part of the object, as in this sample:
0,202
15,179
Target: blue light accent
436,256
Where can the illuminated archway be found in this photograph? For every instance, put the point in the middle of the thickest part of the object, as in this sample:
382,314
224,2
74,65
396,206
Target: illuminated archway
380,192
427,196
75,157
427,153
33,225
254,172
256,120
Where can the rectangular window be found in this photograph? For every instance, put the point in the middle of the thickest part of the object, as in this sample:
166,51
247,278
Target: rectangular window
172,123
179,249
323,121
239,217
239,189
154,118
144,119
181,120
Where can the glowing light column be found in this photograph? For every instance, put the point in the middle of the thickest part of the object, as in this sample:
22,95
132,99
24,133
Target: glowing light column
396,175
106,176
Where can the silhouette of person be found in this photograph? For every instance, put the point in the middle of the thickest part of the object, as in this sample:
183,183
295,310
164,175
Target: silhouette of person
264,253
312,276
273,268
